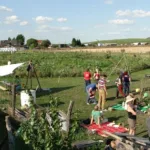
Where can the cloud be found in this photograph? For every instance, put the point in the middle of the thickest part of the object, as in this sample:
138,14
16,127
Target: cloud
121,21
113,33
62,19
4,8
24,23
133,13
42,19
46,28
11,20
108,2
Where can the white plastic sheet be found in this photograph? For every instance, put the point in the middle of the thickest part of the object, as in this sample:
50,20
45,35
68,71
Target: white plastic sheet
8,49
8,69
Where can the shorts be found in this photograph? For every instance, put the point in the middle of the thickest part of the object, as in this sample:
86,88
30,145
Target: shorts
132,123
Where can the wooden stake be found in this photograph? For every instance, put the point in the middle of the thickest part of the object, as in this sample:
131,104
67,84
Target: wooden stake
13,99
69,113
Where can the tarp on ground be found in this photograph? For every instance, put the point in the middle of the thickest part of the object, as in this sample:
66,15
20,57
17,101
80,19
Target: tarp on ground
120,107
8,69
107,126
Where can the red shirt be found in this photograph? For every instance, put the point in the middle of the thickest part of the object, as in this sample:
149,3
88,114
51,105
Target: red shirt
87,75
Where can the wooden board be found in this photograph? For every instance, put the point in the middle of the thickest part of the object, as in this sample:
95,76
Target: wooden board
3,88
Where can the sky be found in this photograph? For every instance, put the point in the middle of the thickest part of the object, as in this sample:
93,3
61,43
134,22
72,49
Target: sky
87,20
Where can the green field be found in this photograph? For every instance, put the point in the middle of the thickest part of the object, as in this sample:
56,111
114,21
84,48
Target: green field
68,87
123,41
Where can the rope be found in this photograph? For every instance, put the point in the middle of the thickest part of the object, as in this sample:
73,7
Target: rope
115,67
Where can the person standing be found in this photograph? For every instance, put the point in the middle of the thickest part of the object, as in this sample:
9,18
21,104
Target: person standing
91,91
102,91
119,86
131,109
96,76
126,83
87,77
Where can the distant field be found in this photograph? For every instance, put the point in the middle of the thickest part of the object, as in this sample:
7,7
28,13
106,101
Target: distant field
123,41
116,49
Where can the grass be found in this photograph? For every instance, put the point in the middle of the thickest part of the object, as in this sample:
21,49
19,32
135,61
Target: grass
73,89
124,41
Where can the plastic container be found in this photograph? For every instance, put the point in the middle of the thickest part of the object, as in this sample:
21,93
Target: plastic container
25,97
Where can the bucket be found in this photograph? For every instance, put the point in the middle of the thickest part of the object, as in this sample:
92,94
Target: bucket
25,97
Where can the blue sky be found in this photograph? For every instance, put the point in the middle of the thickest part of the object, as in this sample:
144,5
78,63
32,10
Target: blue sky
88,20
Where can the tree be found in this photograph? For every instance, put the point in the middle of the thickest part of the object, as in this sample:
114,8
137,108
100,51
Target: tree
20,39
14,39
74,42
32,43
46,43
78,42
9,39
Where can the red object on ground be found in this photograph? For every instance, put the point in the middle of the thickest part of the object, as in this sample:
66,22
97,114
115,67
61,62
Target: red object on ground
106,127
87,75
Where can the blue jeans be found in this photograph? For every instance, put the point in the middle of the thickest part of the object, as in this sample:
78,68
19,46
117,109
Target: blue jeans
90,100
126,88
87,82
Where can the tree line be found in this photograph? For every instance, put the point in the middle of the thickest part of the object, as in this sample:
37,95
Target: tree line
33,43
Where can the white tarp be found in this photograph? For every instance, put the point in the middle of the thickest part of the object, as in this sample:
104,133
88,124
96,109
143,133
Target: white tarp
8,69
8,49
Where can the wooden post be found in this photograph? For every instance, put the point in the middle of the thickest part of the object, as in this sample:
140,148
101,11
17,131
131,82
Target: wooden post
11,140
13,99
69,113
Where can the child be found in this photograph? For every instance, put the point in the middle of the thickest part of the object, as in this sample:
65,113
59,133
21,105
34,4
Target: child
96,116
96,76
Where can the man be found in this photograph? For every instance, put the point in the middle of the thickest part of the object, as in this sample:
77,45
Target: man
91,91
102,91
87,77
126,83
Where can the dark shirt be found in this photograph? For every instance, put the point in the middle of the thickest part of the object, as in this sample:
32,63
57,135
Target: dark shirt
131,116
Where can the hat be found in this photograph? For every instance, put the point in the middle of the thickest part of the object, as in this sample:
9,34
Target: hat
129,98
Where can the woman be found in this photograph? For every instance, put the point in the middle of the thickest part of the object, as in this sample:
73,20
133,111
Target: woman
131,109
96,76
102,91
96,116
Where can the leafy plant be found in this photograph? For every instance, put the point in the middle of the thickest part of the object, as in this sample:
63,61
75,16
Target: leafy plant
40,135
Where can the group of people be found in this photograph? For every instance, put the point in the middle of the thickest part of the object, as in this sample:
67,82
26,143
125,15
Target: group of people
91,88
123,84
123,87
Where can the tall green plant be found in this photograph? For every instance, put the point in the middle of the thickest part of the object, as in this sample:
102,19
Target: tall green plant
39,135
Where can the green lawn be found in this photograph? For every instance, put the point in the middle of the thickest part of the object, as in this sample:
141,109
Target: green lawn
72,88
